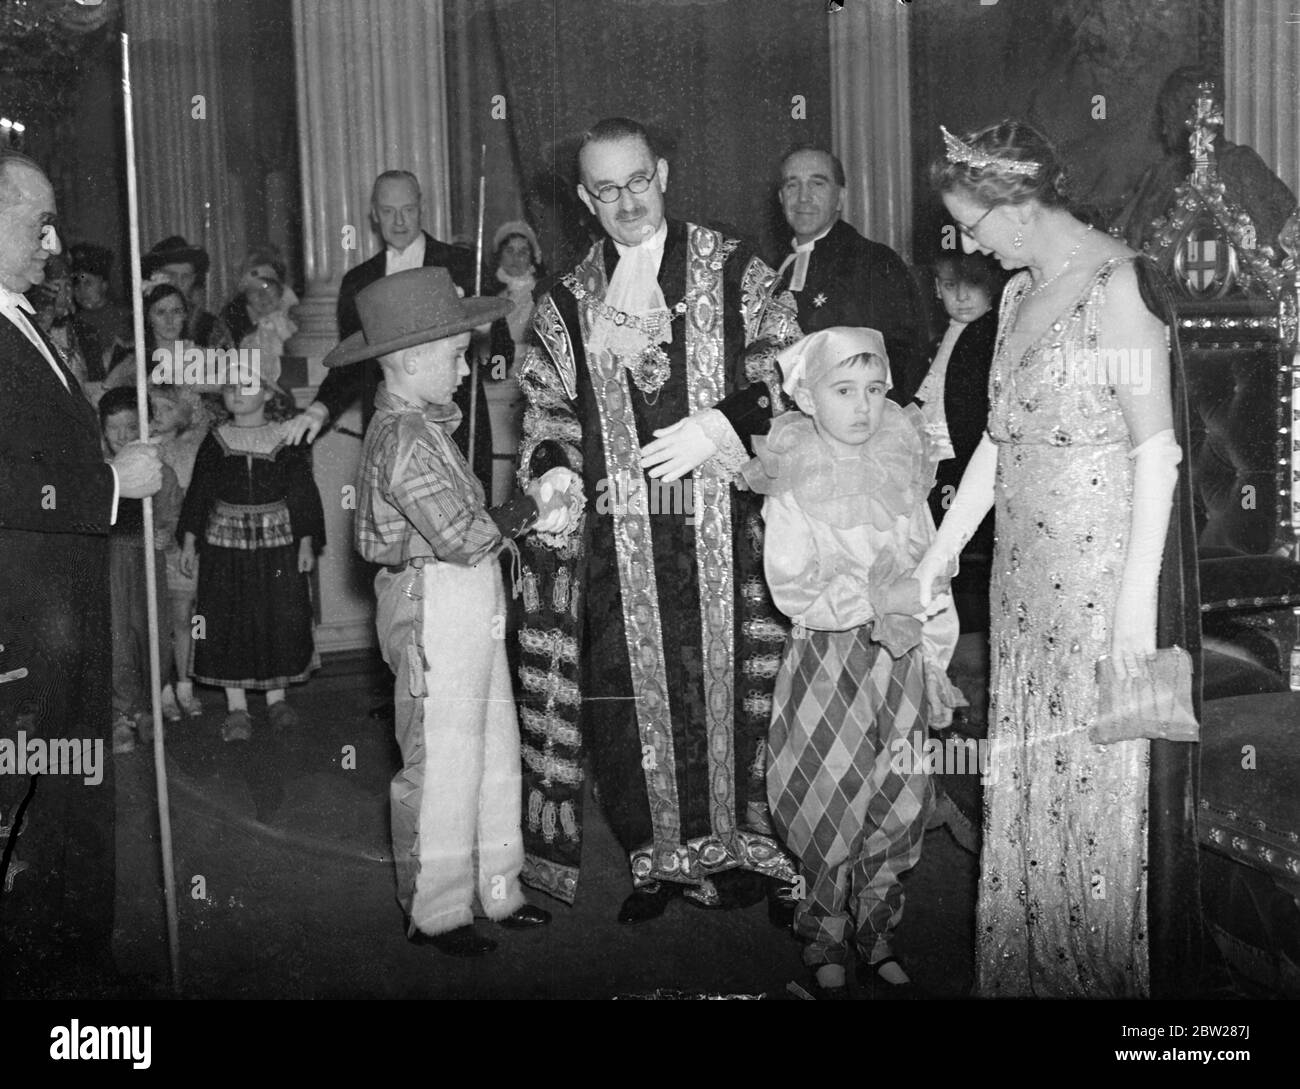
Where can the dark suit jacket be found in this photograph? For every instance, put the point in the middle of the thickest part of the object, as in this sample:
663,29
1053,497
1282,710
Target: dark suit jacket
854,281
56,496
344,385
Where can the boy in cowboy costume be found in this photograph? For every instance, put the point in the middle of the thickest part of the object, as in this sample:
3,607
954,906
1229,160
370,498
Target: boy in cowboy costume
441,613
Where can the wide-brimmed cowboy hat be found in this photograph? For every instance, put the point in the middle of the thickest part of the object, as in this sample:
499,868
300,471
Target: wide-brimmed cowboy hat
174,251
409,308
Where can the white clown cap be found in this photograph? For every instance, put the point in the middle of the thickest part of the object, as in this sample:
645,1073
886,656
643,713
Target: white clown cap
808,359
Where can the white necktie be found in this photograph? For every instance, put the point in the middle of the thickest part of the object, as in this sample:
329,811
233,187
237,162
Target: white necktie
799,256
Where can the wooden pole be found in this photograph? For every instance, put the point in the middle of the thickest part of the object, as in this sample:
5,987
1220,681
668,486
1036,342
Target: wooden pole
150,566
478,290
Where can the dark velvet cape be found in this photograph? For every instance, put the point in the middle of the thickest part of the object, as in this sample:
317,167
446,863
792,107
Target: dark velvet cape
1174,886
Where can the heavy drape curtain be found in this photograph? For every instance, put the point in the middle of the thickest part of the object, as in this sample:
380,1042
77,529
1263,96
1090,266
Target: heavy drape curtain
215,125
185,181
871,95
1261,60
726,85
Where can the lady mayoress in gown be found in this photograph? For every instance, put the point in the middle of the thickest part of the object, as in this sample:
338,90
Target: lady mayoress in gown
1088,874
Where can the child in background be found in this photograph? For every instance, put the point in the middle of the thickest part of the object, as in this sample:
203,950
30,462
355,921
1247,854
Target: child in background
265,301
120,420
954,399
181,420
864,670
252,522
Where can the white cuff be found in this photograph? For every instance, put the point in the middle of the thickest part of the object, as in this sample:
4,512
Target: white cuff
731,456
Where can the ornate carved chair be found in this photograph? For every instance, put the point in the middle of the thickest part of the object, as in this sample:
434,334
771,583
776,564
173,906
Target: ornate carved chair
1237,308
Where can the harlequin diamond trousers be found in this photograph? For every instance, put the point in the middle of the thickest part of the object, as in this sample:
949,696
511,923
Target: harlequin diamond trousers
849,803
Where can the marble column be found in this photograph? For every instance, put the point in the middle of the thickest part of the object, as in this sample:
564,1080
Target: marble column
371,97
1261,57
180,142
871,119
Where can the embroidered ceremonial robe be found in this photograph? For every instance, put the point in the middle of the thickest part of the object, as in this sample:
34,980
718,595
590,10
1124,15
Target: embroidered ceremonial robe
649,639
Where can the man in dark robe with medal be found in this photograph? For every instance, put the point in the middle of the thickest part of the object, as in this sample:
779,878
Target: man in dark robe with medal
838,277
649,640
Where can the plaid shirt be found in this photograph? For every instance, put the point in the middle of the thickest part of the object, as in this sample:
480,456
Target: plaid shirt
430,506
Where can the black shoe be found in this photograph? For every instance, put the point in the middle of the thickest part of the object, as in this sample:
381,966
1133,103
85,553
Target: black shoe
526,918
734,889
464,941
870,979
647,903
780,905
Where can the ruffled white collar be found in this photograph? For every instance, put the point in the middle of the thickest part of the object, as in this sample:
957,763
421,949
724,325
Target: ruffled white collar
891,475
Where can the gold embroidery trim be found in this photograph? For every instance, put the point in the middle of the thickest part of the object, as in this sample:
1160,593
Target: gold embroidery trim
638,583
706,385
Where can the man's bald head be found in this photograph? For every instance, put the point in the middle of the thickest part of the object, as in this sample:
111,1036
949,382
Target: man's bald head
14,160
27,237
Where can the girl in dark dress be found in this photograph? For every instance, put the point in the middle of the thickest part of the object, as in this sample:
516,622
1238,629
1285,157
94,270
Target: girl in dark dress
253,519
954,398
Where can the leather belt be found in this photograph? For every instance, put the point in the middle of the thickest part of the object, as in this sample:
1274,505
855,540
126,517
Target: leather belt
417,562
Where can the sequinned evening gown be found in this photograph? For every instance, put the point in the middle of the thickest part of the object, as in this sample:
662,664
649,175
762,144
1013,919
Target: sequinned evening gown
1063,882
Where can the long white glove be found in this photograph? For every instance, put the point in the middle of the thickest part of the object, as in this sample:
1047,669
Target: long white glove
1155,474
973,500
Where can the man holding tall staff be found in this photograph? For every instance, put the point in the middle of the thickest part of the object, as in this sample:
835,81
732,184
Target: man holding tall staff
57,500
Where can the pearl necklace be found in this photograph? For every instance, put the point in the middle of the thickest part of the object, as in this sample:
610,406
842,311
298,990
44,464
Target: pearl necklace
1061,271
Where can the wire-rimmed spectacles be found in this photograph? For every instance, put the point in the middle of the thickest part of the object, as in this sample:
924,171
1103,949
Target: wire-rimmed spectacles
969,232
608,194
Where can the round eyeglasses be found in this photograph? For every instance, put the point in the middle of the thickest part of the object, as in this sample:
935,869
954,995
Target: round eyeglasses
608,194
969,232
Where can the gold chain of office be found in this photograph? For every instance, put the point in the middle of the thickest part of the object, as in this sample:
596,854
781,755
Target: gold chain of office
650,368
653,328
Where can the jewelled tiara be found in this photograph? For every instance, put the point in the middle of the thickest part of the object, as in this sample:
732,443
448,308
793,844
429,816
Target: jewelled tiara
961,152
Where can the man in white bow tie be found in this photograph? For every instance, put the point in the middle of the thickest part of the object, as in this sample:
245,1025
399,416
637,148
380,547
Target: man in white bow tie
58,497
836,276
649,639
